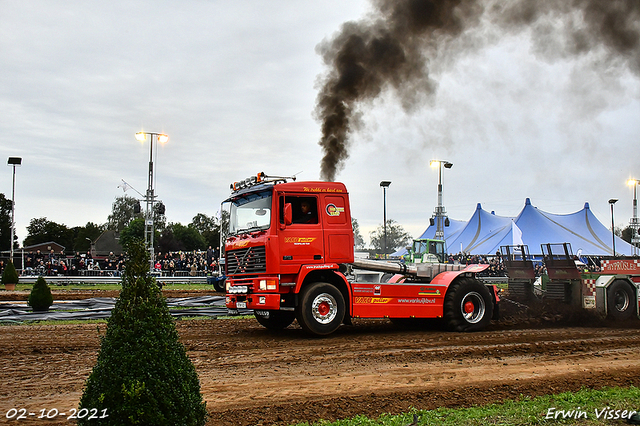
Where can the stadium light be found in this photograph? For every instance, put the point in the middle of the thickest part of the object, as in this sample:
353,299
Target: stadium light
384,185
13,161
150,197
633,223
613,234
440,212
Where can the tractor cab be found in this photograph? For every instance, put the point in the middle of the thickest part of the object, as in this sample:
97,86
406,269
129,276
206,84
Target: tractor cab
425,250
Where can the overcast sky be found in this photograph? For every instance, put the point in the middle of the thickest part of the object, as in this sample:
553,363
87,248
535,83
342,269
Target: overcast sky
234,85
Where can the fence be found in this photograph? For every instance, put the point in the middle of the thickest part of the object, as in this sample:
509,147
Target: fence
110,273
70,280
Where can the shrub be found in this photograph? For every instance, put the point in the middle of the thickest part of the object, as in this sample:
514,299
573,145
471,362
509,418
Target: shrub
40,297
143,375
9,275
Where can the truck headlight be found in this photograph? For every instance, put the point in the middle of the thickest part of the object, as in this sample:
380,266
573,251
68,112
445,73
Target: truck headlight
268,284
238,289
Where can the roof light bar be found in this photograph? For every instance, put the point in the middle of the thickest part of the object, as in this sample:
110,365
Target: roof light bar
258,179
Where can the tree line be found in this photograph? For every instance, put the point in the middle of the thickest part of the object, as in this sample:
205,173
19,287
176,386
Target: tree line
127,218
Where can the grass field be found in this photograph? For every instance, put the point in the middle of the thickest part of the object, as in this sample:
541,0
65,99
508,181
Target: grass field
586,407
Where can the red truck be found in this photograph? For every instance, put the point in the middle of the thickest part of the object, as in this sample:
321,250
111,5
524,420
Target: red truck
289,251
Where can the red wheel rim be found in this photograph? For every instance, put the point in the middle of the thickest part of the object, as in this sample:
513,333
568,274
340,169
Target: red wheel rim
469,307
324,308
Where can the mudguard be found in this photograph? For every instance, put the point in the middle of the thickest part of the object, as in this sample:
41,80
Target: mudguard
448,276
307,269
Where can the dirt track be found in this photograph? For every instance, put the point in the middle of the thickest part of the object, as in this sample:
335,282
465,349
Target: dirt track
252,376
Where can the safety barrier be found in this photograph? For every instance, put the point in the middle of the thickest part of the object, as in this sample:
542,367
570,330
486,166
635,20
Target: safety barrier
91,279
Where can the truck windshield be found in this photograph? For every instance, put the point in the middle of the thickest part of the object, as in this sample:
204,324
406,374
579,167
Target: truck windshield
250,212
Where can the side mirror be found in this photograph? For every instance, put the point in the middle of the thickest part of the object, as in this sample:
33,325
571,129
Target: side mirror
288,215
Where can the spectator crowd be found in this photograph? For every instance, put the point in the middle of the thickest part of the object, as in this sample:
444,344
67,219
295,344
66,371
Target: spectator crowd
200,263
193,263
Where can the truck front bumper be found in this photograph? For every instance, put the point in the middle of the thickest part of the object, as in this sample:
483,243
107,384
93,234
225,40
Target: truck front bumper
262,301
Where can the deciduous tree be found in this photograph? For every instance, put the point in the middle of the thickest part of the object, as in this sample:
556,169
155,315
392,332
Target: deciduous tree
42,230
5,223
396,237
357,236
123,211
91,231
179,237
208,227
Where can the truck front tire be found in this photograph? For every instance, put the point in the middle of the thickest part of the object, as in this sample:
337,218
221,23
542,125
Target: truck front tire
621,301
468,306
321,309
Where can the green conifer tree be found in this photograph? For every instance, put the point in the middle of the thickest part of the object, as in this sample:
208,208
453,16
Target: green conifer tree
40,297
9,274
143,375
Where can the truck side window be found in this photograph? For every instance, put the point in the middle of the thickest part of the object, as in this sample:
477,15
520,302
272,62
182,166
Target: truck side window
305,209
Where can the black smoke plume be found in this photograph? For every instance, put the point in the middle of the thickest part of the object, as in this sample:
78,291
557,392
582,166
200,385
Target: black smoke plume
394,49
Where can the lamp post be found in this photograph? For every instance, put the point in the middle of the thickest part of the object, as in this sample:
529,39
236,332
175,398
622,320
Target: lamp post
13,161
150,196
385,184
633,223
613,234
440,212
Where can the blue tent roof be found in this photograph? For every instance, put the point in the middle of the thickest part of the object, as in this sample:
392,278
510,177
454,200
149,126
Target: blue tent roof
481,234
485,232
451,231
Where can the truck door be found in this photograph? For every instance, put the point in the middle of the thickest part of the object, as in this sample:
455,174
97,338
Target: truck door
301,241
338,232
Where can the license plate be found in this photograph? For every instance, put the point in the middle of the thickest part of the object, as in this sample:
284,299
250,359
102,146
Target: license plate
241,305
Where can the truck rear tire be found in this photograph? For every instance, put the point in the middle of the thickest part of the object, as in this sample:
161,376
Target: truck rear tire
468,306
275,320
321,309
621,301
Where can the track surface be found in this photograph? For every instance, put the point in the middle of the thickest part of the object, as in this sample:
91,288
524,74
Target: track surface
251,376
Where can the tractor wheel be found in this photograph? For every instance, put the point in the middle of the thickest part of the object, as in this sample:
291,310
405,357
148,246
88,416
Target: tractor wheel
218,285
274,320
621,301
467,306
321,309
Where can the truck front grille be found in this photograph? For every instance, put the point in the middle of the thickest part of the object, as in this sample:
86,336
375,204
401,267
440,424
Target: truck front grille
251,260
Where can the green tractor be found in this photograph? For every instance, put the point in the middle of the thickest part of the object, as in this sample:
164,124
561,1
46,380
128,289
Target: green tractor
425,250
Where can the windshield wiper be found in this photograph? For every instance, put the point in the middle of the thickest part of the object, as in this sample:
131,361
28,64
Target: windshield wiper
252,229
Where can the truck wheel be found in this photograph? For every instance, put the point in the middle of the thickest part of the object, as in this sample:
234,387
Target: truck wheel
274,320
621,301
467,306
321,309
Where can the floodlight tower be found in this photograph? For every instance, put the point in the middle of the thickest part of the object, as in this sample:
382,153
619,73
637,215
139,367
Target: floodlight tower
150,197
13,161
440,213
633,222
613,229
384,185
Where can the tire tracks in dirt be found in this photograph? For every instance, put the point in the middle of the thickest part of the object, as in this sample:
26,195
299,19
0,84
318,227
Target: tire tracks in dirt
251,376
